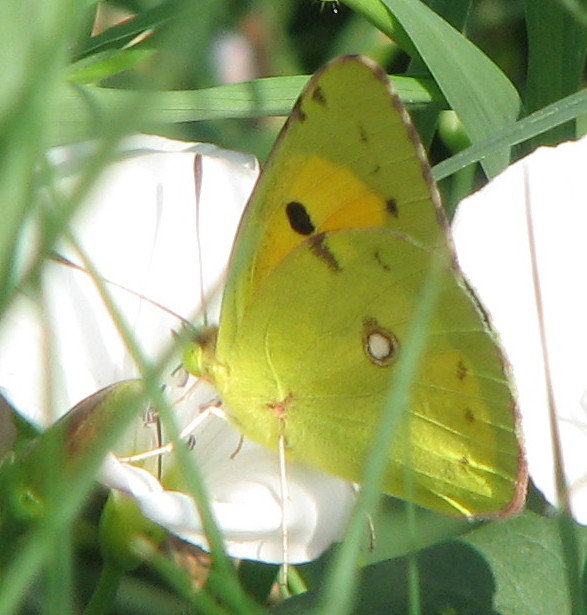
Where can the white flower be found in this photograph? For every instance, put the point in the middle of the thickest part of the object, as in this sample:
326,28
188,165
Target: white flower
534,215
142,229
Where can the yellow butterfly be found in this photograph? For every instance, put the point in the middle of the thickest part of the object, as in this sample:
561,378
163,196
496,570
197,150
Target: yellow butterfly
327,267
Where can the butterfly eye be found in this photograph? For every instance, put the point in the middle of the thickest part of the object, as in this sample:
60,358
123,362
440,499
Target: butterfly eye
380,345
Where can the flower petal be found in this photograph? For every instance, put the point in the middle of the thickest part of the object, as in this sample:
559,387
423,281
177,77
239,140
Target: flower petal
246,493
140,226
128,478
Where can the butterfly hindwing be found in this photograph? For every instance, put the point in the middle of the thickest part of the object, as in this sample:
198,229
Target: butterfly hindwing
317,354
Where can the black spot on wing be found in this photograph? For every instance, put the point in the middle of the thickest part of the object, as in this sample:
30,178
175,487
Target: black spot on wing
391,206
299,218
379,260
363,134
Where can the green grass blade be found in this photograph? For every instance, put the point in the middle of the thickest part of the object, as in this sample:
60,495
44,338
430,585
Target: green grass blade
558,73
117,36
81,110
555,114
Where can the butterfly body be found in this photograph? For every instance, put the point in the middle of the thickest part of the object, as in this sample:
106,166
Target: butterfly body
329,262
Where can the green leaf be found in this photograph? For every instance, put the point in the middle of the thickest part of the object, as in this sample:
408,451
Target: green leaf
378,14
393,535
554,74
514,566
106,64
121,34
559,112
82,110
455,12
528,564
44,498
122,525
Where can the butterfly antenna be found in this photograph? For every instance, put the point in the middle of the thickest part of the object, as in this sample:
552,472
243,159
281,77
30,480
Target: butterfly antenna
198,180
562,491
68,263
